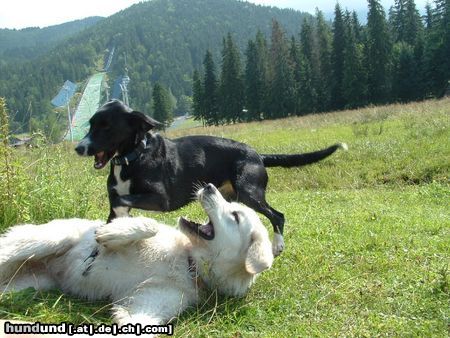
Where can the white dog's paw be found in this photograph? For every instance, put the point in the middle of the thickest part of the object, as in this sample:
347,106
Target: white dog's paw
277,244
110,236
124,230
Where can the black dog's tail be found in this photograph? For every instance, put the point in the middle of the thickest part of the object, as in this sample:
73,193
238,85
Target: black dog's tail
298,160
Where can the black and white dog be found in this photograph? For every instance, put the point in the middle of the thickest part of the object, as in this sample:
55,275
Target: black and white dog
151,172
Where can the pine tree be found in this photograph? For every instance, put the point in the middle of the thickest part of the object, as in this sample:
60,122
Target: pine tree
438,49
407,31
263,66
405,21
378,54
251,81
396,19
297,74
281,84
445,28
256,77
231,83
357,28
210,91
161,105
354,82
413,24
307,40
428,17
307,86
324,36
337,59
405,74
197,98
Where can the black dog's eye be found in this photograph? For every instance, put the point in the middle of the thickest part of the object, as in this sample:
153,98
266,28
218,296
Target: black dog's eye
236,216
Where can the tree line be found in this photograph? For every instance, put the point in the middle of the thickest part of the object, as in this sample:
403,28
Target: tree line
328,66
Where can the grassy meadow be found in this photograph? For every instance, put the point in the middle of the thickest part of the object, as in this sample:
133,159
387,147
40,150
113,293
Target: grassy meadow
367,234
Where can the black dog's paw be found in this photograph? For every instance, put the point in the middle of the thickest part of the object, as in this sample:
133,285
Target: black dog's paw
277,244
118,209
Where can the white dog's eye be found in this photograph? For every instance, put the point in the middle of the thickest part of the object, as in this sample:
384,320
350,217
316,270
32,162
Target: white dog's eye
236,216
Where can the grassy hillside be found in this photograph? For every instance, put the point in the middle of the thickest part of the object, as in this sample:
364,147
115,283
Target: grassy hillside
367,235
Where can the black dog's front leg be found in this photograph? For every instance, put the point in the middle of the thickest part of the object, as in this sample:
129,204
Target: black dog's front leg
115,208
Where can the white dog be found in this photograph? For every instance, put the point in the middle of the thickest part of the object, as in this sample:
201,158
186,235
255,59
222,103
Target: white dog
150,271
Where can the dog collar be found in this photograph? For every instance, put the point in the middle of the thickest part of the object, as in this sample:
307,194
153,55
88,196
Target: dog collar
133,156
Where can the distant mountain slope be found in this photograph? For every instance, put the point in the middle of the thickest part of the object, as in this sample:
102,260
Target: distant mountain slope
161,40
32,42
165,39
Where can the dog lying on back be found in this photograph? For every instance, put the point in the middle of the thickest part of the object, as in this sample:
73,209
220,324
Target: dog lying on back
151,172
150,271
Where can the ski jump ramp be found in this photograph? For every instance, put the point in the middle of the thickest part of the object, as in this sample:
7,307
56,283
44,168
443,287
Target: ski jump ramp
89,103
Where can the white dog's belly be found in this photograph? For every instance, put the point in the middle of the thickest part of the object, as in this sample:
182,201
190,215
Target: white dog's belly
91,271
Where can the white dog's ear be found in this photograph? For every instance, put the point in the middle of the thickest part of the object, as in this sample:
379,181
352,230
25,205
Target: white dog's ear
259,255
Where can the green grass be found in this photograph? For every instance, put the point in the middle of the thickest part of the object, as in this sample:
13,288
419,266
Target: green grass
367,235
185,124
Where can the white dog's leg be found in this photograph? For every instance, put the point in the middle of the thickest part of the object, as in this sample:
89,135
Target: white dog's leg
152,306
25,245
28,277
38,241
124,230
277,244
122,316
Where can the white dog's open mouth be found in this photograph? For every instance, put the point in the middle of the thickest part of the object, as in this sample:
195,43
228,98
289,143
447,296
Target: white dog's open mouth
205,231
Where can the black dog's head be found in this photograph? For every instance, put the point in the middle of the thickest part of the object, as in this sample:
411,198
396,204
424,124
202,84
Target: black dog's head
114,129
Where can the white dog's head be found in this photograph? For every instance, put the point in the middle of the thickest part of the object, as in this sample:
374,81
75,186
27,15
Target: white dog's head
232,248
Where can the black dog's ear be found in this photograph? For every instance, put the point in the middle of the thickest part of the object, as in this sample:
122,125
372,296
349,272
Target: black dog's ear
143,122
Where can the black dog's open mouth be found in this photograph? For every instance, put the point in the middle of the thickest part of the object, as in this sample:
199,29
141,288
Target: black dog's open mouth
101,159
205,231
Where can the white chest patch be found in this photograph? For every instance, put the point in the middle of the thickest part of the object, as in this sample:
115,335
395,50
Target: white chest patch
122,188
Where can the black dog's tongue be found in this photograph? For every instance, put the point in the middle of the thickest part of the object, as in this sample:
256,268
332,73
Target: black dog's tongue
100,160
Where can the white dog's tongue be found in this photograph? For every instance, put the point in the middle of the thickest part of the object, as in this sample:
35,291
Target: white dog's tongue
203,230
207,229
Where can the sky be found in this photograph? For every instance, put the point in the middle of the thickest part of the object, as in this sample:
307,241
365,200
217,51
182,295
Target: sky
42,13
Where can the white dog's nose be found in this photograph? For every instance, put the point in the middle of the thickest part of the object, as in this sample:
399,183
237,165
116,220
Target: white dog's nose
210,189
